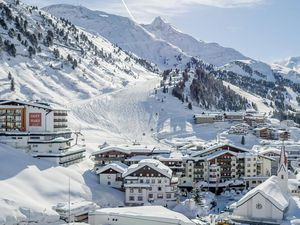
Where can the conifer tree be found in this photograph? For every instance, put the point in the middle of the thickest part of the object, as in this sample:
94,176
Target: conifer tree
12,84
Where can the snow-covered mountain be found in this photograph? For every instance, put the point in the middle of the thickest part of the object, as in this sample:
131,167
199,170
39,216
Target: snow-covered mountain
164,45
124,32
42,57
291,63
251,68
211,53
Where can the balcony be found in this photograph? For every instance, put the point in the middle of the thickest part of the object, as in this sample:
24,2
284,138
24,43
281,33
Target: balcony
60,114
60,126
60,120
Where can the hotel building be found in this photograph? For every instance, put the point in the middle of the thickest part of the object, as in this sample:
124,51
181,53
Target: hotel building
40,130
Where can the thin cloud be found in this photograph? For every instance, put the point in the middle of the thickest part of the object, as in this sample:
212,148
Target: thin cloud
145,10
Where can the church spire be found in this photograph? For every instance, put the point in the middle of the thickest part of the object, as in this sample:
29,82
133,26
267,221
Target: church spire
282,172
283,158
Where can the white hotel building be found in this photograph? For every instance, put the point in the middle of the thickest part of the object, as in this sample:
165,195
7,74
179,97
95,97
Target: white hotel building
39,129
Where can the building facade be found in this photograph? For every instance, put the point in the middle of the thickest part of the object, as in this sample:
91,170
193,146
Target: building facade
222,164
149,181
40,130
268,202
111,174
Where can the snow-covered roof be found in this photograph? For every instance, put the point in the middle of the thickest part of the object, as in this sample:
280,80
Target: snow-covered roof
173,156
117,166
219,153
234,113
207,115
34,104
270,150
76,207
271,190
156,213
131,149
154,164
217,146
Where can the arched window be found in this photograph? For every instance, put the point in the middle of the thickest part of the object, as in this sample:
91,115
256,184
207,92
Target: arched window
282,177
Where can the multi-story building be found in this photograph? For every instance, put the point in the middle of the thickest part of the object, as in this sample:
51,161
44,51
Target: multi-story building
174,160
39,129
234,116
149,181
222,164
109,154
111,174
272,133
208,118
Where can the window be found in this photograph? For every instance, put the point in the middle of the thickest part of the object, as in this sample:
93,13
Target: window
153,181
108,183
160,196
159,181
150,188
147,181
159,188
140,198
150,195
131,198
140,190
141,181
169,195
259,206
34,137
131,190
108,176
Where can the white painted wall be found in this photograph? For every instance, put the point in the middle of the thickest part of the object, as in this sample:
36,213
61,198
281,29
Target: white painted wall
106,178
249,209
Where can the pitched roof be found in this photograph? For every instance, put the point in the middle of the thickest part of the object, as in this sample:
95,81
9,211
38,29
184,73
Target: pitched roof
129,149
117,166
153,213
271,190
33,104
152,163
219,146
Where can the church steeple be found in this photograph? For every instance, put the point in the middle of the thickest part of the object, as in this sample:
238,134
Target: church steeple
282,172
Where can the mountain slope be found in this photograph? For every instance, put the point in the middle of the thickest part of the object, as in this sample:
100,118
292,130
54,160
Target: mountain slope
211,53
162,44
124,32
53,60
292,63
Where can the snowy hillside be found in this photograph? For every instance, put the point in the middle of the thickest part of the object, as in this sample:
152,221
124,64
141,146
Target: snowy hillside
32,187
211,53
291,63
166,46
124,32
251,68
46,58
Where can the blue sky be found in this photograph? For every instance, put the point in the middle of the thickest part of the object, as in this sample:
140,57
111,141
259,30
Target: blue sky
268,30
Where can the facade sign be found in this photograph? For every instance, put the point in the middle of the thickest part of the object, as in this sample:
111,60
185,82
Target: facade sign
35,119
